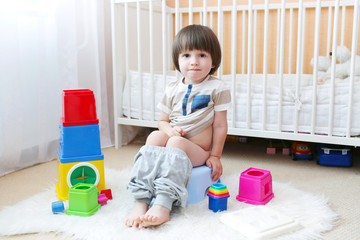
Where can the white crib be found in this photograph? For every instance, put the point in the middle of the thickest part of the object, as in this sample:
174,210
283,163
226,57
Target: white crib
267,50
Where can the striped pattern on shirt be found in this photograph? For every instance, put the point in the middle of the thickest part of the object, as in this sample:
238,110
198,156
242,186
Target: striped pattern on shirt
192,106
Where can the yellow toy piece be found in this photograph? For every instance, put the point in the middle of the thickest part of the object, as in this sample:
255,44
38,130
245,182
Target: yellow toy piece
70,174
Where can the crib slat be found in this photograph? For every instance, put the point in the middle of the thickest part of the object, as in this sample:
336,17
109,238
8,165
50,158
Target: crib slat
126,16
205,12
290,39
315,72
233,60
177,20
243,42
163,23
333,62
254,40
250,30
303,42
329,24
343,20
220,37
190,12
151,47
298,64
265,71
352,67
139,58
281,69
277,40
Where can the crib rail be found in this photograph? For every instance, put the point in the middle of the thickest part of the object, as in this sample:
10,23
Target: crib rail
269,38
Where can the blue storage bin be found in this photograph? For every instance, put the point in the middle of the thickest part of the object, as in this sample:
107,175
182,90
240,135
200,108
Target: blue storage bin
333,155
80,141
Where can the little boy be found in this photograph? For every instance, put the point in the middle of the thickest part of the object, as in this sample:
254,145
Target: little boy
192,130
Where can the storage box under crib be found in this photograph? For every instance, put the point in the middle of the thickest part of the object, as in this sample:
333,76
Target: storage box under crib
333,155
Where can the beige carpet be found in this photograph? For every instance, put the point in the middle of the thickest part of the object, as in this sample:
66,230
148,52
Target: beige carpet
340,185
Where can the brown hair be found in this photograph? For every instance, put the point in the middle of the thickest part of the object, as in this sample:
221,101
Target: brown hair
197,37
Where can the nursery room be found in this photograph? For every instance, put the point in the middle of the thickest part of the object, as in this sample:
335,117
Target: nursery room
81,83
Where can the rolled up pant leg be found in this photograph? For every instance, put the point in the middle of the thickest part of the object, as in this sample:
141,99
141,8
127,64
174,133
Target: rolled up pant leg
163,173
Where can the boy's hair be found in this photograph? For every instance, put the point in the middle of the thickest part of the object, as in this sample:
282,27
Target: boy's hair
197,37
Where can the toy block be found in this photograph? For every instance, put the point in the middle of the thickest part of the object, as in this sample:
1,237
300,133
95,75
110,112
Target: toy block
57,207
255,186
270,150
79,107
102,199
72,173
286,151
199,184
218,195
107,193
83,200
78,141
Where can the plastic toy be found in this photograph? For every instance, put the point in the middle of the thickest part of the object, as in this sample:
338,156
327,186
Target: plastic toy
80,141
83,200
57,207
79,155
102,199
301,150
333,155
199,184
275,145
79,107
260,222
218,195
255,186
107,193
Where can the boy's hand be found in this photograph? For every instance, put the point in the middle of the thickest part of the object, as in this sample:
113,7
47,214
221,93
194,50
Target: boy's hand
217,168
177,131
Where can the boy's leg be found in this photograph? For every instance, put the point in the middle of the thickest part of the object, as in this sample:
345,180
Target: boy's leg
157,138
196,154
173,177
139,209
155,216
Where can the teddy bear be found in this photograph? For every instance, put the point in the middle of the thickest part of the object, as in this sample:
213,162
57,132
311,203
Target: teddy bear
342,69
324,64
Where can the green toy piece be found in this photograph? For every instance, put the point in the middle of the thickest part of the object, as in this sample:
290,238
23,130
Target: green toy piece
83,200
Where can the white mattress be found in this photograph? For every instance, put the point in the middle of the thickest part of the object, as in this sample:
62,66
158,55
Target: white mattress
290,103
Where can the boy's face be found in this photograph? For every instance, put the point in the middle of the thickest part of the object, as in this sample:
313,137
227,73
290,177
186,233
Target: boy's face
195,65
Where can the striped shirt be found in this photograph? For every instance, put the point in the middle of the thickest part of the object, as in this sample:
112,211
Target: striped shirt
192,106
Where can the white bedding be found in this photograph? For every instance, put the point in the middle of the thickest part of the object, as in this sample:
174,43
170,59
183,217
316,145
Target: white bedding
290,103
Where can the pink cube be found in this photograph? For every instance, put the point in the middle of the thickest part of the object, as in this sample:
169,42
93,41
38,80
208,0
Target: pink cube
255,186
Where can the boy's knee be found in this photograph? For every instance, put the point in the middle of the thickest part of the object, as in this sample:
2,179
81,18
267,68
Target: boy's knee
157,138
176,141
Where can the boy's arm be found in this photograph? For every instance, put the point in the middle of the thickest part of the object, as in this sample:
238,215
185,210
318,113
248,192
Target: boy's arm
218,139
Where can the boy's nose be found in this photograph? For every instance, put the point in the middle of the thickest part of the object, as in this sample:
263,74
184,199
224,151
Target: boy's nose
194,61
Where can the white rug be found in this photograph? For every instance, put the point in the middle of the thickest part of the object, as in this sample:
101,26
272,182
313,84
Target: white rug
34,215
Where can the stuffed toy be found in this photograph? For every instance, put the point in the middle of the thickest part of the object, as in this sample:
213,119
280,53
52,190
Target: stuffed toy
324,64
342,69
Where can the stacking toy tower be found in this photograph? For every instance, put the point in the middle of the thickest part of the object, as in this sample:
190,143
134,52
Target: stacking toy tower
218,195
79,155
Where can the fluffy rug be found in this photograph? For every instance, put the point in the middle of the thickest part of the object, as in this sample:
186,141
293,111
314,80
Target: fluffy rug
196,221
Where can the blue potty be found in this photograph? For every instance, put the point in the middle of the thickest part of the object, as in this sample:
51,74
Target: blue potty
199,184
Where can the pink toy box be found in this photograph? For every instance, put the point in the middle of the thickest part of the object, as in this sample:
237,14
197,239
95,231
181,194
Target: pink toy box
255,186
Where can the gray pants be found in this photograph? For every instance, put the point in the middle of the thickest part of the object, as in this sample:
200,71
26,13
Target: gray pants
162,173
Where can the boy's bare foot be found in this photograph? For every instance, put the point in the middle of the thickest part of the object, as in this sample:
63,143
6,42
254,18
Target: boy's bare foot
133,220
155,216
